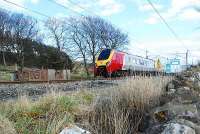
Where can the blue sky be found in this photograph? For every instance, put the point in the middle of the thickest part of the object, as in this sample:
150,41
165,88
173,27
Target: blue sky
146,30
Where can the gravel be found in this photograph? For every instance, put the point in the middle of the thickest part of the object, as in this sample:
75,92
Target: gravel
13,91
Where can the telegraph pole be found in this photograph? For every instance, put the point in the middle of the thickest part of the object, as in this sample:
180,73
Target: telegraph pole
186,58
146,54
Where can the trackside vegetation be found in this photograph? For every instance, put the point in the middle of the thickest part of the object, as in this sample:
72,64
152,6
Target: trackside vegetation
115,110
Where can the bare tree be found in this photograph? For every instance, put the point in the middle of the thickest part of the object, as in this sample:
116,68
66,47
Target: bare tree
88,35
4,25
110,36
90,31
78,44
98,34
23,28
57,34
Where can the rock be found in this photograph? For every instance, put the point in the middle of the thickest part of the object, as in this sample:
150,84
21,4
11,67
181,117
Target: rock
177,83
186,88
171,91
196,76
170,111
156,129
74,130
176,128
169,86
189,124
187,95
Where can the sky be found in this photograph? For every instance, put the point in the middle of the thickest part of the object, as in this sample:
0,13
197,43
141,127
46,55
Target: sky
137,18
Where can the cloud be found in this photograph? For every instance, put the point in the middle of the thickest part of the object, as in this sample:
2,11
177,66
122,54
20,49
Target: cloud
81,7
152,20
168,47
190,14
183,10
110,7
147,7
35,1
11,7
63,2
100,7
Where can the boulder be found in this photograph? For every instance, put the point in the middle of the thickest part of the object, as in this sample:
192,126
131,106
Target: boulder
74,130
169,86
196,80
176,128
170,111
190,124
155,129
171,91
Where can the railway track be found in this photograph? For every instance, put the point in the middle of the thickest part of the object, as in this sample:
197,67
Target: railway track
73,80
55,81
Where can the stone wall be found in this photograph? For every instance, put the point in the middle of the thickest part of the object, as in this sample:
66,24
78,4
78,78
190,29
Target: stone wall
33,75
42,75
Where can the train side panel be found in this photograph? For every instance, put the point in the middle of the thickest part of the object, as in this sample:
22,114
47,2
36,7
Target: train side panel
136,63
116,62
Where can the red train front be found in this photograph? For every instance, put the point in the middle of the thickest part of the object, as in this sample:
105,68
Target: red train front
108,62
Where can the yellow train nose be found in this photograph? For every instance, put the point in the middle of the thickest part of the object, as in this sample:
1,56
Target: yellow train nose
101,63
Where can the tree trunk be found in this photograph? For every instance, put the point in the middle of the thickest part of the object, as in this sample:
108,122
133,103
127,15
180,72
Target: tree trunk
4,59
85,65
94,66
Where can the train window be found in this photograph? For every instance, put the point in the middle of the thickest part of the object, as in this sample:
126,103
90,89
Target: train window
104,54
141,62
145,63
136,62
133,60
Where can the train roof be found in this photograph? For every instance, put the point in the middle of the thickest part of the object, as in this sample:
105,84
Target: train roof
133,55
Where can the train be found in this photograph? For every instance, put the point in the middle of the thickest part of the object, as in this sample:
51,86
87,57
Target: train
111,62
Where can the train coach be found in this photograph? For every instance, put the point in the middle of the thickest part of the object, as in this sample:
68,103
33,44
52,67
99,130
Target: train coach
111,62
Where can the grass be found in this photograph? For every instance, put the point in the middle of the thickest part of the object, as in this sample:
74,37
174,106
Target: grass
116,110
121,110
48,115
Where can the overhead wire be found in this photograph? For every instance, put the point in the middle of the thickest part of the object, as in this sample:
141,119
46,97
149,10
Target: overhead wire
44,15
87,10
167,25
30,10
90,12
155,9
65,7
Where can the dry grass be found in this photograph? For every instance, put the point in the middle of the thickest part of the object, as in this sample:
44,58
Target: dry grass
122,109
117,110
48,115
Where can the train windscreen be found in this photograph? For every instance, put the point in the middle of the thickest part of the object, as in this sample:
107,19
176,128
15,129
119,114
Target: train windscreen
104,54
